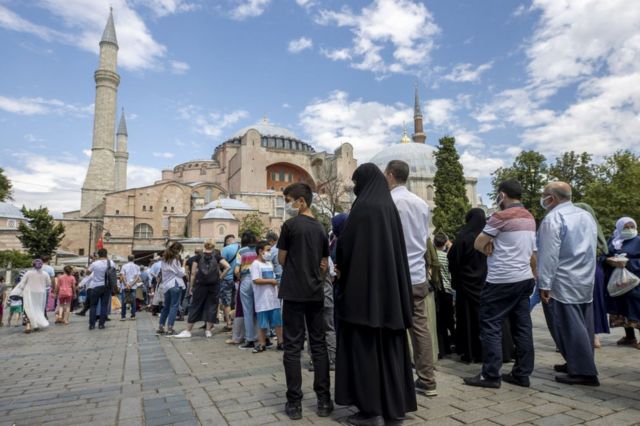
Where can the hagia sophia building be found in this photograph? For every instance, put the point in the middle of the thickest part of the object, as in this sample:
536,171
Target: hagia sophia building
207,199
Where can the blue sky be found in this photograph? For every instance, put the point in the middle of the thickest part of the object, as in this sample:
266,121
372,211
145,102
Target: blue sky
499,76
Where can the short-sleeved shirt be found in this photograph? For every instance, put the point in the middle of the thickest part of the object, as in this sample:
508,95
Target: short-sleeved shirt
247,256
514,240
230,254
306,243
98,269
444,271
130,271
50,271
264,295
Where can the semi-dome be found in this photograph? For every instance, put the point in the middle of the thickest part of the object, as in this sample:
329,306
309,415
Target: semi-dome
418,155
265,128
10,211
220,214
227,204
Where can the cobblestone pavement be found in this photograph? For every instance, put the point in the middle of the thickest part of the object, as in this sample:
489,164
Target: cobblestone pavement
126,375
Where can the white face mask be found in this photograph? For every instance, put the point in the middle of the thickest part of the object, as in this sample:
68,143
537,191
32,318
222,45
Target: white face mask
290,210
266,256
629,233
542,200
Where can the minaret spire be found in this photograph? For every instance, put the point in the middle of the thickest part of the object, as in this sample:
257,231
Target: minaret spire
418,135
121,154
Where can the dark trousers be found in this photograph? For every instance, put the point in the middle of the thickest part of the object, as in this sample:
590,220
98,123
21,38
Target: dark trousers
294,316
574,333
510,301
100,295
87,301
445,322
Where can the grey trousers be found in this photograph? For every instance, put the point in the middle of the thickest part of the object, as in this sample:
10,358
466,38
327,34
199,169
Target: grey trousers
329,326
574,336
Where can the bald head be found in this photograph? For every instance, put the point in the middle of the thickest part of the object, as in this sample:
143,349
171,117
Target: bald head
561,190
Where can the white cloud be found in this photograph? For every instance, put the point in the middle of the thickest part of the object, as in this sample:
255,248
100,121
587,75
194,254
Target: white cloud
163,154
168,7
178,67
210,123
138,176
306,3
29,137
87,152
476,165
515,106
405,27
12,21
439,112
33,106
463,73
337,54
368,126
249,9
300,44
286,105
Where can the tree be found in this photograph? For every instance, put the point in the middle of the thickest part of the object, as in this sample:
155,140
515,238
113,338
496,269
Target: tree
15,258
530,169
40,236
252,222
5,186
451,199
614,192
576,170
331,188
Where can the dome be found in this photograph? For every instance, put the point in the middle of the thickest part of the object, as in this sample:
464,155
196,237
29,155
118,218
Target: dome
218,213
266,129
227,204
418,155
10,211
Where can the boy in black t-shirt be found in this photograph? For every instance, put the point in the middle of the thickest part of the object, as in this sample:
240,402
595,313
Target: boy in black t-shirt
303,252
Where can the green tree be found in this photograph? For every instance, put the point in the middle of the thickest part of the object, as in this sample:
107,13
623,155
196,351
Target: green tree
451,199
614,192
5,186
530,169
576,170
40,236
252,222
16,258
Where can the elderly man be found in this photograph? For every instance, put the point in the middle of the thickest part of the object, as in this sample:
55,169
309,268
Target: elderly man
567,241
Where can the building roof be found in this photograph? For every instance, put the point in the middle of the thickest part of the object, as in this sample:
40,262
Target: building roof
419,156
220,214
227,204
122,127
10,211
109,34
265,128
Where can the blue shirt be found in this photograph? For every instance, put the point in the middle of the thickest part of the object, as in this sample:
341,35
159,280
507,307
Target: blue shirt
277,267
567,241
230,254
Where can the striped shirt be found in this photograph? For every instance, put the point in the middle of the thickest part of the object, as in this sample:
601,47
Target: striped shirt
247,256
514,240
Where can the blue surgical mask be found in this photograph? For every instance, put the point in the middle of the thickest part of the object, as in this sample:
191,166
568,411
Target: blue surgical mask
629,233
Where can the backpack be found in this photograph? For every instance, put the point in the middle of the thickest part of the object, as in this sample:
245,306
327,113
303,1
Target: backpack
208,273
111,278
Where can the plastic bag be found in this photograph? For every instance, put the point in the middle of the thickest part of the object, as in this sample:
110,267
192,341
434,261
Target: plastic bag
116,305
621,281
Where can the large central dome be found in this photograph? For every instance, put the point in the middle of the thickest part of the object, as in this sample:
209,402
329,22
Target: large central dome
418,155
266,129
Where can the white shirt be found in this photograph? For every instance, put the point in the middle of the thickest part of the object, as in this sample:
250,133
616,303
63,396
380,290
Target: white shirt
98,269
414,215
172,274
265,295
131,272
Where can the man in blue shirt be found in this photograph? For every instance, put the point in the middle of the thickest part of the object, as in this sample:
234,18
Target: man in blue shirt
567,240
227,285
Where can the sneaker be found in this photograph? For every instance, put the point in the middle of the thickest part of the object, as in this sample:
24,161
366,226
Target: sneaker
160,331
101,327
325,408
133,318
208,334
123,319
231,342
561,368
247,345
258,349
170,333
184,334
425,389
480,381
293,410
516,380
268,343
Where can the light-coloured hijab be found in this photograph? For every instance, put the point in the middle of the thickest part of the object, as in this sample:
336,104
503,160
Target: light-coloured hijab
617,238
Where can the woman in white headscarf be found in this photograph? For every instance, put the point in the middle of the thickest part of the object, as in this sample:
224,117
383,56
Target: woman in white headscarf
34,285
624,310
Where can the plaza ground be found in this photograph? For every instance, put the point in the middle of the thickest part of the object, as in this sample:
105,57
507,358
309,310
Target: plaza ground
126,375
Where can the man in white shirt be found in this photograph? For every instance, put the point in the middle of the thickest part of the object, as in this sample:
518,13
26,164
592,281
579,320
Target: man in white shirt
130,279
414,215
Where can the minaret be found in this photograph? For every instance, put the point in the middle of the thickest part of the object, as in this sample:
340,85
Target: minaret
122,156
418,135
100,178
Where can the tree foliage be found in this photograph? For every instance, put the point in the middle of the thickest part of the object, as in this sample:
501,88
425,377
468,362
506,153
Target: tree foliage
40,236
451,199
530,169
15,258
576,170
615,192
332,191
252,222
5,186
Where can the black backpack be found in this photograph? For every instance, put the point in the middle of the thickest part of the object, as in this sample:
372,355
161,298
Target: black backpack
111,278
208,272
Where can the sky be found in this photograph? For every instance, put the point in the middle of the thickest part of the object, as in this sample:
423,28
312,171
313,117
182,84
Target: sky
499,76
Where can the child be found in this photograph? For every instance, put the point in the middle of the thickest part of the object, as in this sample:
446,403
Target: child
445,296
65,290
15,310
265,295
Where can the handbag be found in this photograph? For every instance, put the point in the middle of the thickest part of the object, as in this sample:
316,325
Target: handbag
621,282
17,290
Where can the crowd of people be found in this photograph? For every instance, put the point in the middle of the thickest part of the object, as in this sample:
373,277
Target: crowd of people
379,299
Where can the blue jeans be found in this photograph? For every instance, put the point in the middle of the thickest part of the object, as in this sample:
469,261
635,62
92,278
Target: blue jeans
123,302
170,307
246,297
99,296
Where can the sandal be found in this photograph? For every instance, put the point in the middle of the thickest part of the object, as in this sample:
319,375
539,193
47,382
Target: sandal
626,341
231,342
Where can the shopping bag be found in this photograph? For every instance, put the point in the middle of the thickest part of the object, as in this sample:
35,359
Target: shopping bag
621,281
115,303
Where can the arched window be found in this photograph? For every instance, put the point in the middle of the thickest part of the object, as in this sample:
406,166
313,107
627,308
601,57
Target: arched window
172,209
144,208
143,231
12,223
430,192
150,208
221,230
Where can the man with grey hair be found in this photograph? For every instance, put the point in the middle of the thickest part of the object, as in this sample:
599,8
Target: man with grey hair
567,240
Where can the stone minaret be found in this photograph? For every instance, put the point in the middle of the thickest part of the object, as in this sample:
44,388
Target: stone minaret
100,178
418,135
122,156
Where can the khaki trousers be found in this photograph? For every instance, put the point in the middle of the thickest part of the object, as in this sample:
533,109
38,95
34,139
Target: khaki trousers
421,339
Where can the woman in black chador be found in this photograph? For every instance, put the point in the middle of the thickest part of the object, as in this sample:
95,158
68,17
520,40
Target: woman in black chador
373,307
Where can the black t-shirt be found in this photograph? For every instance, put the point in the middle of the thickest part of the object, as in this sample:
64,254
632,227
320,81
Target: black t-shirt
306,243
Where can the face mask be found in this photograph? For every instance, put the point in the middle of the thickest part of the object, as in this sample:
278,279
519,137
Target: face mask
542,200
266,256
629,233
290,209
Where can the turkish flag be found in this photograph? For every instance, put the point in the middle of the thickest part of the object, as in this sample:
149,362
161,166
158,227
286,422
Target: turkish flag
100,244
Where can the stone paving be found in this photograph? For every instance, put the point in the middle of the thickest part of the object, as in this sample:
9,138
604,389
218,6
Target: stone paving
125,375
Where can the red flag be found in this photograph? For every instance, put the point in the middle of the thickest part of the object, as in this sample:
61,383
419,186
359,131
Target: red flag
100,244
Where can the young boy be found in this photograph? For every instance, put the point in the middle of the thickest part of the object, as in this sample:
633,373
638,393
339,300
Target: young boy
445,317
265,294
15,310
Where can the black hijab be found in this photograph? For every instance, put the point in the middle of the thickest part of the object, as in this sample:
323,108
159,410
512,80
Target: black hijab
467,266
374,288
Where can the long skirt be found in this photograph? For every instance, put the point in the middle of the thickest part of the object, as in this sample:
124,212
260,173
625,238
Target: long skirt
468,328
33,303
373,371
600,321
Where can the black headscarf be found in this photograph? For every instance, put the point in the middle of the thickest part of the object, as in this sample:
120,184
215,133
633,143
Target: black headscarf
467,266
374,288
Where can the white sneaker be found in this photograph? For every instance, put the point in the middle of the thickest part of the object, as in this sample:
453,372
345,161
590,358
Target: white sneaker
184,334
208,334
